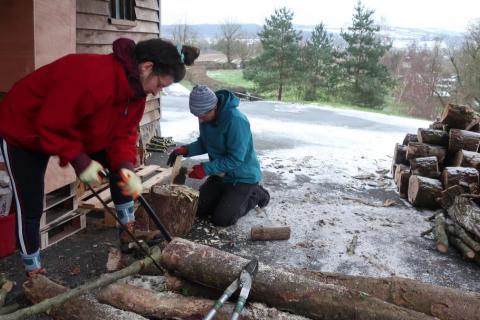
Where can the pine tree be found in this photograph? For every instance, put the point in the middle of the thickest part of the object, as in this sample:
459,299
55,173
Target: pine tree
275,67
367,79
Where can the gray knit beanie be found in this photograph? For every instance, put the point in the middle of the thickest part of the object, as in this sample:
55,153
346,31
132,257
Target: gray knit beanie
202,100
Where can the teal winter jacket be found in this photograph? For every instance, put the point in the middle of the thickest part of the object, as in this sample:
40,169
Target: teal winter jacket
228,142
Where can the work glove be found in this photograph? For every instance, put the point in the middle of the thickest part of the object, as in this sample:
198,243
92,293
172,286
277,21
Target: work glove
197,172
131,184
92,174
183,150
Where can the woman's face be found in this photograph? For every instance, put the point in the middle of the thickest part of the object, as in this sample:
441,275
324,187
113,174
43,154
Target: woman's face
153,83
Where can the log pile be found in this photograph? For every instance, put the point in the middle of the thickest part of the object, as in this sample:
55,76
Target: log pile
438,168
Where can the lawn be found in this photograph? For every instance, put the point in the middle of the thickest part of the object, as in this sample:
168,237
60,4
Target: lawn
231,77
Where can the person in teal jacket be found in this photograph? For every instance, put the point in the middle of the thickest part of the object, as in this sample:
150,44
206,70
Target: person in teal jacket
232,188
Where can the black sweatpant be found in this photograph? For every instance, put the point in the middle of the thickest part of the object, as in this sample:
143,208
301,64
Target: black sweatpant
226,203
26,169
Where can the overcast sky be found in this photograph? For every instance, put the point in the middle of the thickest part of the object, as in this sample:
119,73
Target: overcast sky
441,14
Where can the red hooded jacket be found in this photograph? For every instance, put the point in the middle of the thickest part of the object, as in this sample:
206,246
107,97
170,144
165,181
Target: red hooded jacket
77,105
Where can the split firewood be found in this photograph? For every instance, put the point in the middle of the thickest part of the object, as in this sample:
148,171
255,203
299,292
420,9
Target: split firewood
278,288
402,176
449,194
269,233
457,116
114,261
457,231
421,150
425,167
454,175
431,136
172,305
424,192
398,170
440,234
400,154
409,137
465,250
464,158
466,213
463,140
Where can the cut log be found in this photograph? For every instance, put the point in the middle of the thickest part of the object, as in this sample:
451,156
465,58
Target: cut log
41,288
457,231
437,125
409,137
172,305
457,116
466,252
452,176
403,182
440,234
176,206
464,158
400,154
448,195
269,233
463,140
398,170
466,213
425,167
424,192
431,136
393,168
421,150
276,287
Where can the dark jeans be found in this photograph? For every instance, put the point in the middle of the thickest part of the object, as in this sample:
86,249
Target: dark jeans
27,169
225,202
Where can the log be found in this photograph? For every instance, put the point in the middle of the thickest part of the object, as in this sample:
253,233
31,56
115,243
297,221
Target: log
403,181
41,288
269,233
457,116
421,150
431,136
176,206
58,300
466,252
452,176
276,287
400,154
440,234
464,158
448,195
409,137
425,167
457,231
172,305
463,140
437,125
424,192
466,213
398,172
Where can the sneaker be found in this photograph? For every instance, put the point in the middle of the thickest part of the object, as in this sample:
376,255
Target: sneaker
125,238
265,199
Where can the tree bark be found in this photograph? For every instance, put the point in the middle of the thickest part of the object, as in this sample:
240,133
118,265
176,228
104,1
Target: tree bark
409,137
400,154
457,116
403,182
398,170
269,233
440,234
431,136
464,158
466,213
457,231
172,305
41,288
424,192
466,252
425,167
278,288
449,194
421,150
452,176
463,140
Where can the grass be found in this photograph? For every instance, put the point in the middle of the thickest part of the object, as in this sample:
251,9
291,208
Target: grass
232,78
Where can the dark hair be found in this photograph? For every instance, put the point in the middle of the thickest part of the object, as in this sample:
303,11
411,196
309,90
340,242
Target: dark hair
165,57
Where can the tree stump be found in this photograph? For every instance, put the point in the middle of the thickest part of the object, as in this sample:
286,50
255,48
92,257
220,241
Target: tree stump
424,192
456,175
410,137
466,213
431,136
421,150
400,154
464,158
176,206
457,116
462,139
425,167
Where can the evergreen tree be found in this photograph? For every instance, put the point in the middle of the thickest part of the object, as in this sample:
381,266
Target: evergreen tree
367,79
275,67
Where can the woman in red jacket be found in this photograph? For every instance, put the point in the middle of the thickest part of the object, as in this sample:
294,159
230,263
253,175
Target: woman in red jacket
84,108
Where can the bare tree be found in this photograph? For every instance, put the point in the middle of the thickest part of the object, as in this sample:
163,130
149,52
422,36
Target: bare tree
183,33
230,33
247,49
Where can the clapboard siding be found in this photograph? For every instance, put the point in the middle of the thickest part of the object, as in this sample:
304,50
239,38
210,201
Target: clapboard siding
107,37
96,7
100,22
151,116
148,4
146,14
94,48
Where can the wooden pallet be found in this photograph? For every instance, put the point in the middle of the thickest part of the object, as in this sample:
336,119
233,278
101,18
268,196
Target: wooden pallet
63,229
150,175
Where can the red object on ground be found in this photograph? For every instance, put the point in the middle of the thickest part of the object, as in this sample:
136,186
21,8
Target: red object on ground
8,242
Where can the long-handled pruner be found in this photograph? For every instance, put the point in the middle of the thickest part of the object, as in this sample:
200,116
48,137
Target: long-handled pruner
244,282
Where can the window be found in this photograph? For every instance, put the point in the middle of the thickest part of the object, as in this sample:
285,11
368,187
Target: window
122,9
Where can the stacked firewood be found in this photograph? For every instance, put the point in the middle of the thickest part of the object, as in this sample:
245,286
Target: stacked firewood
439,168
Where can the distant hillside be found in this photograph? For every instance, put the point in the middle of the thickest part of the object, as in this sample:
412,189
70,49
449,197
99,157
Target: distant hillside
401,36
